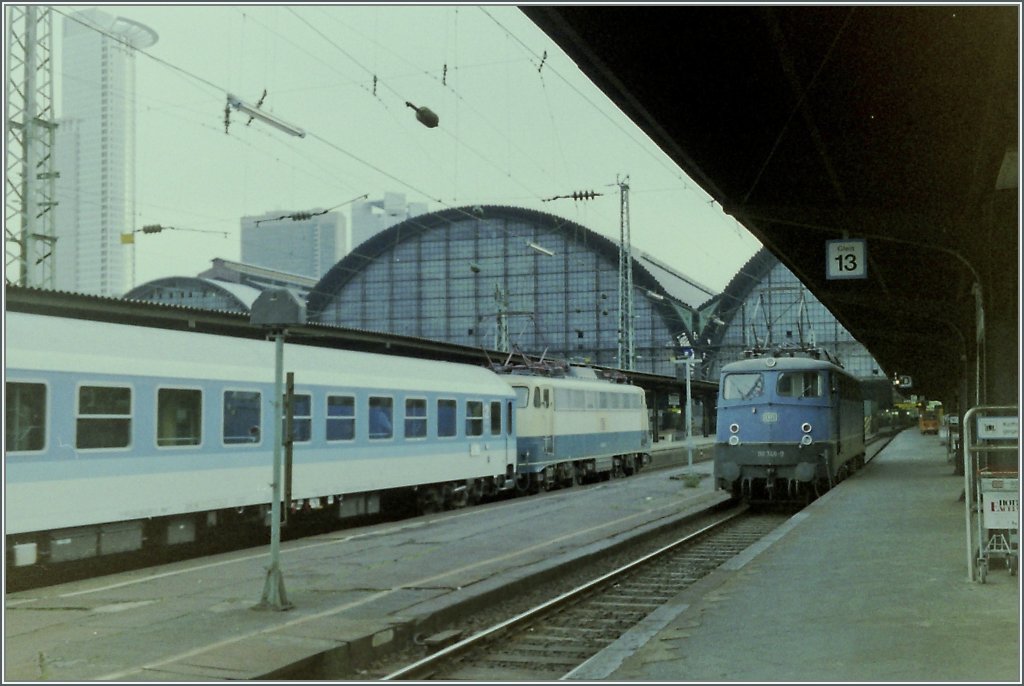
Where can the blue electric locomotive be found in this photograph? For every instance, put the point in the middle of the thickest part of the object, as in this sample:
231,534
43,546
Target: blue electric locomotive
790,426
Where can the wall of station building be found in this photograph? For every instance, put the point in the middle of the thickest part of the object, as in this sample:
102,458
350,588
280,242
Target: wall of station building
447,275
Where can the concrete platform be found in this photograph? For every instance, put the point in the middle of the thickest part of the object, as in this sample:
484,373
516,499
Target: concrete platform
869,583
355,592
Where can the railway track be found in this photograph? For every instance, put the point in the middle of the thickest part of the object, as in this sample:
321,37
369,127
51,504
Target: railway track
553,639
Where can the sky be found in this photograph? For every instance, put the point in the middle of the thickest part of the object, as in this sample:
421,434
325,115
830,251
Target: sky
519,123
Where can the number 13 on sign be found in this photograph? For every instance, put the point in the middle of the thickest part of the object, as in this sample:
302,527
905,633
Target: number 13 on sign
846,259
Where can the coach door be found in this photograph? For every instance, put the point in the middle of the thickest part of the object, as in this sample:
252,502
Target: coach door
500,414
544,400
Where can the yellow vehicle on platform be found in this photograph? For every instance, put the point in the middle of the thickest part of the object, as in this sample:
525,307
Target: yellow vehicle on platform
930,418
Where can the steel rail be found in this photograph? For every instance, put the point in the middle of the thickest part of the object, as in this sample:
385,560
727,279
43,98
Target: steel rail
424,667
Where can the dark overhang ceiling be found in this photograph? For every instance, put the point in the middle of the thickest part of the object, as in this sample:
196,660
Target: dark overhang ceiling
889,123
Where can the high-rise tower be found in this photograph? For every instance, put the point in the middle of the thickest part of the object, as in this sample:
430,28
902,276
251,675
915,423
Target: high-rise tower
307,247
95,151
370,217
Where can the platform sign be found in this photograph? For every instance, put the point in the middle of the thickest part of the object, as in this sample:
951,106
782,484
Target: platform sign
998,428
846,259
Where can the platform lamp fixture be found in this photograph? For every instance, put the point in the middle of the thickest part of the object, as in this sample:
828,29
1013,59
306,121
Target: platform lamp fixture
687,358
275,310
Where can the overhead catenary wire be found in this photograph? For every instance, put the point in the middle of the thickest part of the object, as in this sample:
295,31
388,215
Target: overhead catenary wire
332,145
459,142
200,79
688,184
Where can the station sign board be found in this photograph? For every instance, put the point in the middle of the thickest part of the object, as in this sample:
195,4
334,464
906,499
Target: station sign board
998,428
846,258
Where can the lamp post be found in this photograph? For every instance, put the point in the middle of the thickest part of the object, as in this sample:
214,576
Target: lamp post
688,361
276,309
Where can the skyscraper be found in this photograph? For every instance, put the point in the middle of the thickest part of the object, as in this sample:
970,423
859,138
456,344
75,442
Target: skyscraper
307,247
95,151
370,217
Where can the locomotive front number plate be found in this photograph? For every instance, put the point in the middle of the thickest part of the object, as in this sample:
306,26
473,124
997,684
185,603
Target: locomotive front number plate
769,417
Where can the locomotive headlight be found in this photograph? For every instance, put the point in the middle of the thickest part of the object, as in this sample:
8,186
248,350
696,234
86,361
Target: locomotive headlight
806,428
734,428
734,440
806,439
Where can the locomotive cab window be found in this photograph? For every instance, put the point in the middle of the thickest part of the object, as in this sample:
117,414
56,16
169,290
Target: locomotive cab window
742,386
522,396
179,417
25,416
104,417
799,385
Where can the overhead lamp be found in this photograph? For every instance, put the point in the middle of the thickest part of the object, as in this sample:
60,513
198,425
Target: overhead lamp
540,248
264,117
425,116
654,296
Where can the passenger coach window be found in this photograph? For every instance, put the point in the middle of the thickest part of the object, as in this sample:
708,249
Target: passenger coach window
742,386
474,418
179,416
381,417
341,418
495,417
241,417
104,417
415,418
446,417
302,420
799,385
26,416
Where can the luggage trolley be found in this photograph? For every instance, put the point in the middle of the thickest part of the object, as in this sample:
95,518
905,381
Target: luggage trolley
991,491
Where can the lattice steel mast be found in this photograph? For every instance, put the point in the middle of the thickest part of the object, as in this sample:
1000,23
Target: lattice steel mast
30,178
626,347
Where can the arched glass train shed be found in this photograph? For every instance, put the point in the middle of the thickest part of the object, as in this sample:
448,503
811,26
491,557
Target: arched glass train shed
463,275
766,306
192,291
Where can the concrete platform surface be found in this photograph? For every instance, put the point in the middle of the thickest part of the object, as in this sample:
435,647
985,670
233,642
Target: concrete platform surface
354,592
868,583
